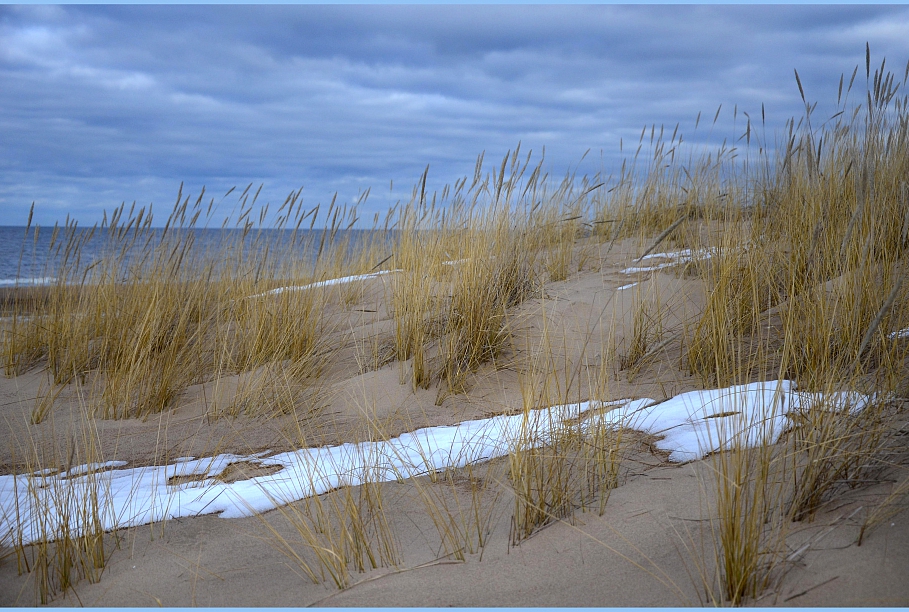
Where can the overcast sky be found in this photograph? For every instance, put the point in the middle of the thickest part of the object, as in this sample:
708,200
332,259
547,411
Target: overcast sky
104,104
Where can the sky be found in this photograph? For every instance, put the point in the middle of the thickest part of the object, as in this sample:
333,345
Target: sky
105,104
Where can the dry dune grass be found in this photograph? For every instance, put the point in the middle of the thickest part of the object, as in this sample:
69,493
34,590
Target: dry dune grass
498,297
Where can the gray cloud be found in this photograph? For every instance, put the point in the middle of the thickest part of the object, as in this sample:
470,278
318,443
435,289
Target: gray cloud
101,104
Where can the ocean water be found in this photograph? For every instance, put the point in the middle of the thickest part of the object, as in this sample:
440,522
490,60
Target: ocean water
34,257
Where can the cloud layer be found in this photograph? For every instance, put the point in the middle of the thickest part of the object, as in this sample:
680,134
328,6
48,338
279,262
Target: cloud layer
112,103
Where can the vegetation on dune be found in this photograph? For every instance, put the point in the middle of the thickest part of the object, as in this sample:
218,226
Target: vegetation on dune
802,258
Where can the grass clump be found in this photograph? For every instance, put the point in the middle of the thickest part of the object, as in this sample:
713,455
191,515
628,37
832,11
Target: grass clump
559,464
60,538
808,293
344,530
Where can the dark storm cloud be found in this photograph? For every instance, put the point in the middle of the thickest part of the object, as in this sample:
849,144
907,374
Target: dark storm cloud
111,103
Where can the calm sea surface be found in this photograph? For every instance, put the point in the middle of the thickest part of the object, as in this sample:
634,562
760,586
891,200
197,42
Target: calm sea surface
30,259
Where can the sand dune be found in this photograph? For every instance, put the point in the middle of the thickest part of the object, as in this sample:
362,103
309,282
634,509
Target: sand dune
208,509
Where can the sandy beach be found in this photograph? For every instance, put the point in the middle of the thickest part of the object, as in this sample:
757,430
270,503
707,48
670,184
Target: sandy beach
652,545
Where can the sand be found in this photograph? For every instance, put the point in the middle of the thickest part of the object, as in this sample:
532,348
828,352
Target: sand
652,546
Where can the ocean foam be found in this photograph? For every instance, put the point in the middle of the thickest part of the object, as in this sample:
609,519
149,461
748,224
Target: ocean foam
27,282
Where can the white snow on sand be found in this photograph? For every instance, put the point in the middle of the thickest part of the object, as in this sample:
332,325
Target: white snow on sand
903,333
675,258
343,279
693,425
325,283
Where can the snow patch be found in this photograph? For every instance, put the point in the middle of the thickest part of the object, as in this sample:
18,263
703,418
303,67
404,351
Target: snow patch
692,425
325,283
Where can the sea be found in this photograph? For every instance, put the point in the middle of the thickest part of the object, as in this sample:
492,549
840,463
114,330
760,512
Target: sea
33,257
